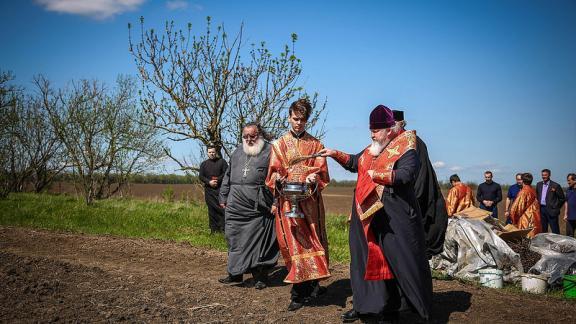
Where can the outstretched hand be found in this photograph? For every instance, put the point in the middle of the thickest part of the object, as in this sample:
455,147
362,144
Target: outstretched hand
327,152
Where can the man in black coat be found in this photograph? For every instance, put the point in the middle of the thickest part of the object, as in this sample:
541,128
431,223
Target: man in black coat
489,194
389,270
551,198
429,196
211,174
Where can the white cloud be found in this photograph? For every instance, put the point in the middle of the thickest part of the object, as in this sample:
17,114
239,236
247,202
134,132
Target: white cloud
97,9
176,4
456,168
439,164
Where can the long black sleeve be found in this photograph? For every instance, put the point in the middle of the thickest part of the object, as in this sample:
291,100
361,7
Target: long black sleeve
498,195
202,174
479,194
406,168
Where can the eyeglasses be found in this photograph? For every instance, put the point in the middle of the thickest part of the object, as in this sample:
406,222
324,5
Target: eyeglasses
247,136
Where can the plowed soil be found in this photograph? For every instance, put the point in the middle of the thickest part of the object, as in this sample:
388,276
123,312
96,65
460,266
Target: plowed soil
54,277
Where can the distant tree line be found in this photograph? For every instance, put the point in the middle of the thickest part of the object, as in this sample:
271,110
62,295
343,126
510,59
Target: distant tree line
99,135
148,178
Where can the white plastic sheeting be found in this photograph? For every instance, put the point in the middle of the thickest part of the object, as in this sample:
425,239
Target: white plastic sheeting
558,255
471,245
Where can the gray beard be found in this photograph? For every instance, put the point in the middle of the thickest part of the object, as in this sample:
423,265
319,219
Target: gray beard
375,148
254,149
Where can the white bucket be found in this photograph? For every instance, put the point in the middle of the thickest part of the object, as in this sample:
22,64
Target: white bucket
534,284
491,278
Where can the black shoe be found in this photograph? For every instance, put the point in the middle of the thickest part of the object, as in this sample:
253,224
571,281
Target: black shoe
294,305
230,279
260,285
298,303
350,316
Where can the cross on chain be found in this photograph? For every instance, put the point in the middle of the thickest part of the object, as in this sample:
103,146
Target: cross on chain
245,170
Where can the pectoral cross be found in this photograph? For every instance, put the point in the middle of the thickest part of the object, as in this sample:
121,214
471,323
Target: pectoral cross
245,170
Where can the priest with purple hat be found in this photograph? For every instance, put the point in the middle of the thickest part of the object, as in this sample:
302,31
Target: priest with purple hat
389,270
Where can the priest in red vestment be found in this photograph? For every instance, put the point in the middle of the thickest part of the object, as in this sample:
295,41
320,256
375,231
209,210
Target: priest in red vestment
459,197
525,210
389,269
303,241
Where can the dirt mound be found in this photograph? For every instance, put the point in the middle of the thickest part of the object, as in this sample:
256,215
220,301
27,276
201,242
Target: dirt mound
47,276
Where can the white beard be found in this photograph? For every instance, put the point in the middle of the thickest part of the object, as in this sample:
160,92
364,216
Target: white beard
375,148
254,149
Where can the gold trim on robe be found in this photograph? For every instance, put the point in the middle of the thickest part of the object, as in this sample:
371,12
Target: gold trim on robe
525,211
303,242
459,198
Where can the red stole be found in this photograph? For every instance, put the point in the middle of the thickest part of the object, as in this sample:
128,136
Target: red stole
369,199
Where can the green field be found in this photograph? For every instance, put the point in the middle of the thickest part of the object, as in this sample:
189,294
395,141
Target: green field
177,221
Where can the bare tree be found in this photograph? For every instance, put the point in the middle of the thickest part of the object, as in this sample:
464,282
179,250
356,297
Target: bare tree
202,89
104,132
8,100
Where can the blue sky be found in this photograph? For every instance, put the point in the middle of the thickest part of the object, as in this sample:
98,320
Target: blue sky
486,84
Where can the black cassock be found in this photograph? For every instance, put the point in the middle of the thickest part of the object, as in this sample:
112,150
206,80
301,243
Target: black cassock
431,201
399,231
213,169
249,225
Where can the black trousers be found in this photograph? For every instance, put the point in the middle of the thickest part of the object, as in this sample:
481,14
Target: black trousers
570,227
215,212
547,218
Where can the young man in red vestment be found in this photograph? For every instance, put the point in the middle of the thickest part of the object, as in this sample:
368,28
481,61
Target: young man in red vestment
388,268
303,241
459,197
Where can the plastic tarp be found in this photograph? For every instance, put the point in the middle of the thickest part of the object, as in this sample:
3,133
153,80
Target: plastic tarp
472,245
558,255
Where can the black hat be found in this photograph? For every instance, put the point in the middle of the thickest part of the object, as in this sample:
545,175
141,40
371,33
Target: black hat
398,115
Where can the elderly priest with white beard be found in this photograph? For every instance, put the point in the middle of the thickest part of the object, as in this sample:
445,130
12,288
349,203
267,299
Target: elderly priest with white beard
249,219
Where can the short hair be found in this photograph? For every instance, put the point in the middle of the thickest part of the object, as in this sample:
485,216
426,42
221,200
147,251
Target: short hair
547,171
488,172
527,178
259,128
519,174
211,146
302,106
454,177
571,176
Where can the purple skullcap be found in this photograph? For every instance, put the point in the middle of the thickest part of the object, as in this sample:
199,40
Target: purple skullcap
381,117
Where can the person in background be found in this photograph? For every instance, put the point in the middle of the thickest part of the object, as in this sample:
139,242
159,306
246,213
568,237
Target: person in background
459,197
570,205
551,198
211,174
489,194
512,193
525,210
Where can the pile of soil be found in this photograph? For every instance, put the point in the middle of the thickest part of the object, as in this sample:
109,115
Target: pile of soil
527,257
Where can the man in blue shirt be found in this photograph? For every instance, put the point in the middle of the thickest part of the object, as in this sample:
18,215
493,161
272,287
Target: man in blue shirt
512,193
489,194
570,205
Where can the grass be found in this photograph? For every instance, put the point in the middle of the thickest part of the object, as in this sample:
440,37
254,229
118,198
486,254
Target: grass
175,221
120,217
